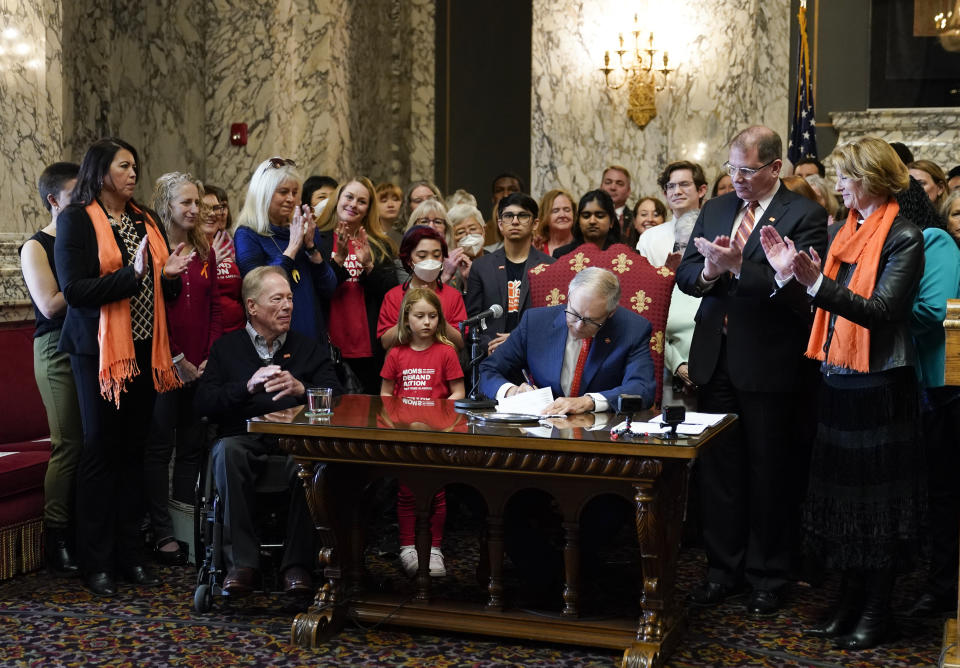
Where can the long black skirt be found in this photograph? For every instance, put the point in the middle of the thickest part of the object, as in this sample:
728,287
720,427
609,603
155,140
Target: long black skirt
866,493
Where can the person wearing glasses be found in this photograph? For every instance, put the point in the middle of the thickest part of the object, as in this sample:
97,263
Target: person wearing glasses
501,277
597,223
684,187
746,357
273,228
216,225
588,351
416,194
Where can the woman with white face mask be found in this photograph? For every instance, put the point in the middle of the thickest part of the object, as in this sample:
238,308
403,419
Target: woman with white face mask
422,252
466,221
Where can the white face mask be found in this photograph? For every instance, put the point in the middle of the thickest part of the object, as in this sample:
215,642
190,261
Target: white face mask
472,243
428,270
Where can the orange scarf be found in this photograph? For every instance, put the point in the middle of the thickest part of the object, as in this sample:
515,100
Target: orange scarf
118,360
850,345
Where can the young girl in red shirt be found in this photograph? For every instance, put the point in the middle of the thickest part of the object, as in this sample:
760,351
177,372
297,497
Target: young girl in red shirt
423,365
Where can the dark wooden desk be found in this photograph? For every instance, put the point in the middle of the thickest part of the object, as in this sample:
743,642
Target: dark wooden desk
369,437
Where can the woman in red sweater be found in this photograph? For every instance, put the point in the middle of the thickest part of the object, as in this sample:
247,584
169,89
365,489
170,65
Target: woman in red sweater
195,323
216,223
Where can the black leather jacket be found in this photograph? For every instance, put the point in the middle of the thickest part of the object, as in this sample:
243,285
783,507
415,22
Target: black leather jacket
886,313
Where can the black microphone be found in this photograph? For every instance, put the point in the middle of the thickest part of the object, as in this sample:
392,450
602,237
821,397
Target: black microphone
494,311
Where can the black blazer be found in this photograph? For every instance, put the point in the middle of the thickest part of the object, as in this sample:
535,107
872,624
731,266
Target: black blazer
487,285
767,328
887,312
84,289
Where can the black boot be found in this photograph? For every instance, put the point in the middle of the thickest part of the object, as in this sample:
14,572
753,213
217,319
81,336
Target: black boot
58,553
847,610
874,626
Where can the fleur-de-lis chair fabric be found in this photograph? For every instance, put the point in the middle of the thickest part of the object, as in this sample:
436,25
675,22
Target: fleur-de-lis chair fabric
644,289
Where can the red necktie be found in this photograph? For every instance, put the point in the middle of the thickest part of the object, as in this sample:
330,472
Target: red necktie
578,371
746,226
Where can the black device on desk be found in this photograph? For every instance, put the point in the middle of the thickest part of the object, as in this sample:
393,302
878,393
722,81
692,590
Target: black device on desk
673,416
626,404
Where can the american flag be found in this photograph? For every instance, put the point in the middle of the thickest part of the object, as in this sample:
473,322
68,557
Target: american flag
803,136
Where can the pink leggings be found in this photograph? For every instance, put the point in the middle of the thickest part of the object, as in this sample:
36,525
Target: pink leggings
406,516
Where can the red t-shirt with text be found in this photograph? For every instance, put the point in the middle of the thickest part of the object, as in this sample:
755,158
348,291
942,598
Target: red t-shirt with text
424,374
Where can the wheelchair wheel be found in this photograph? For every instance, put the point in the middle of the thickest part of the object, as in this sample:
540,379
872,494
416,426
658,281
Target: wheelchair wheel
202,598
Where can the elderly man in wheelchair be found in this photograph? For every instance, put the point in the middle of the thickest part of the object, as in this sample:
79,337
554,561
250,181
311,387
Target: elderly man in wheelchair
253,371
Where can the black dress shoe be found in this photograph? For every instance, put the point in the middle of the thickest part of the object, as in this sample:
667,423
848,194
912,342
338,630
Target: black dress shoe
764,603
239,581
139,575
296,580
931,605
176,557
101,584
58,555
708,594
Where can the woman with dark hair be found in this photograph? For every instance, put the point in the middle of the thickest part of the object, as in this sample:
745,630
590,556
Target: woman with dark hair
940,403
722,185
275,229
362,261
596,223
863,505
215,223
422,252
647,212
116,273
317,189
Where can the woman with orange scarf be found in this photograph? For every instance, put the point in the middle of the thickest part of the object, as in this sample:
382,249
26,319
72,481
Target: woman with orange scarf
115,270
862,512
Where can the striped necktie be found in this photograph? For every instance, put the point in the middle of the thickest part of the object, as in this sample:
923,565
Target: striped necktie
746,226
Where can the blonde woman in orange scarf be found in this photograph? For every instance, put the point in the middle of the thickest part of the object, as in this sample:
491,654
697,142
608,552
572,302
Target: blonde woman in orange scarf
862,513
115,270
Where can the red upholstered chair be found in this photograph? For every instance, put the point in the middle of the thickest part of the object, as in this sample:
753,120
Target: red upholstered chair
645,289
24,453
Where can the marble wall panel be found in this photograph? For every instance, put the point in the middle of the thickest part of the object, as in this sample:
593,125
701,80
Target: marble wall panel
134,70
731,60
931,134
31,121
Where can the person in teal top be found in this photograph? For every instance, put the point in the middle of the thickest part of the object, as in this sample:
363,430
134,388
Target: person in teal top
940,403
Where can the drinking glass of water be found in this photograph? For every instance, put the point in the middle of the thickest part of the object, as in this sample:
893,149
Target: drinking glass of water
319,401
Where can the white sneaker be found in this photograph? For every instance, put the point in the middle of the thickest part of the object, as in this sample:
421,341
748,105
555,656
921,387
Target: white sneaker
437,567
408,559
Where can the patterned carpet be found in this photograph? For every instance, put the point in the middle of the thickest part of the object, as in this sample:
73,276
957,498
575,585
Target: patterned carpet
50,622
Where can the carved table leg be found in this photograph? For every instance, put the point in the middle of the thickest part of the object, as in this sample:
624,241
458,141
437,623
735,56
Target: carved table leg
571,564
325,616
495,559
659,516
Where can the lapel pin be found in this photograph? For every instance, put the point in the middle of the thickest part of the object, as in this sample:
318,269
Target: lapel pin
286,355
500,267
606,340
772,219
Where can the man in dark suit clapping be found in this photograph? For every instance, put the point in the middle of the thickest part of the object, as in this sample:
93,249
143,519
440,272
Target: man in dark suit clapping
747,358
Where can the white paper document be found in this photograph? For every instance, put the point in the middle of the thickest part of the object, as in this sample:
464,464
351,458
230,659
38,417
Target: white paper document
657,428
528,403
694,418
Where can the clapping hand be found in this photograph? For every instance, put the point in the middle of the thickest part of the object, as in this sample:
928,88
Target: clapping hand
140,259
343,242
261,376
309,225
362,250
719,256
297,226
779,251
176,263
806,268
284,384
222,246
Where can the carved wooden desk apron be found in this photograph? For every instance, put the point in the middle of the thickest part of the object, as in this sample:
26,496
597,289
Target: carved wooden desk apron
430,445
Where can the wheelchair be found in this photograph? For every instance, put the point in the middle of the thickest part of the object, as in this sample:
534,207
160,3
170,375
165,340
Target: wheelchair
272,489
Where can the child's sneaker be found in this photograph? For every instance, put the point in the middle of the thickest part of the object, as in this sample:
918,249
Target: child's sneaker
408,559
437,567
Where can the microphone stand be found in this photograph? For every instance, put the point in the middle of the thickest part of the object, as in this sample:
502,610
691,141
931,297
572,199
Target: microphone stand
475,400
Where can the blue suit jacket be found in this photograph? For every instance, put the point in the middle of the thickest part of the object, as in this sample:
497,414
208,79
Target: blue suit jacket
619,361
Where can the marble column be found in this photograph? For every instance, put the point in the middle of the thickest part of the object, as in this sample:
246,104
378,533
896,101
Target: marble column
732,70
